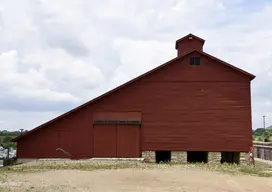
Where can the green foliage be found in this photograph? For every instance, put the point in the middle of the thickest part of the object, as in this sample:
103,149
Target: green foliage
259,138
259,132
9,144
6,137
11,133
267,133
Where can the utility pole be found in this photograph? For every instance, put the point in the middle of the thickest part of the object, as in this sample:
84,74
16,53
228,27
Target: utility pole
264,128
264,122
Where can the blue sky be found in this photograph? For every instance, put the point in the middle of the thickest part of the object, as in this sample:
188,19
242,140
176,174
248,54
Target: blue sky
56,55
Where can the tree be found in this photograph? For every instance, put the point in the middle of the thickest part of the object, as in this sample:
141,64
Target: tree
259,138
7,139
9,144
267,134
259,132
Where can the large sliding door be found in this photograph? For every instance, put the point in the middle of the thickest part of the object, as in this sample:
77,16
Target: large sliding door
121,141
105,141
128,141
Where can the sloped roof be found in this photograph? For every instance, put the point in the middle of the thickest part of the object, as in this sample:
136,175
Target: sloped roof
189,35
130,82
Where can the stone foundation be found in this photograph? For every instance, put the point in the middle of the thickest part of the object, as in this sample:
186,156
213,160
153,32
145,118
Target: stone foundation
25,160
149,156
244,158
179,156
215,157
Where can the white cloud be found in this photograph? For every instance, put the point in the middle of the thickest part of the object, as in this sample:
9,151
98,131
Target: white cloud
63,53
146,55
29,84
14,120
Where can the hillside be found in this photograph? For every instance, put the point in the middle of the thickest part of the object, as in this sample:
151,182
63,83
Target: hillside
260,133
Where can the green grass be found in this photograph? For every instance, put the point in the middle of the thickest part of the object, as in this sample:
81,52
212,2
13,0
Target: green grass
69,166
90,166
241,169
229,168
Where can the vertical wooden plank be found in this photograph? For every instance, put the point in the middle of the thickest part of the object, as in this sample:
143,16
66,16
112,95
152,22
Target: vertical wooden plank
128,141
105,141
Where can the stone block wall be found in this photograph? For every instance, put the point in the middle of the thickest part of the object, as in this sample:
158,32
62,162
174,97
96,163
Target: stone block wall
178,156
181,156
214,157
149,156
244,158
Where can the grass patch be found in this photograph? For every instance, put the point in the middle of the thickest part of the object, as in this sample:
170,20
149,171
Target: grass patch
88,166
237,169
257,171
92,166
228,168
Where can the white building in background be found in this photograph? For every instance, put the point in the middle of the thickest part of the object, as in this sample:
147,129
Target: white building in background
4,153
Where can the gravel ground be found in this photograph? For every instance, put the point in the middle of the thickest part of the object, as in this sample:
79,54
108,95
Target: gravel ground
149,178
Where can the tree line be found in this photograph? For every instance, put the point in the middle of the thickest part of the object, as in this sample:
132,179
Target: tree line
262,134
7,136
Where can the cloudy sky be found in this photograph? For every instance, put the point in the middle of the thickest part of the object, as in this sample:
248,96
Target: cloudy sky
56,55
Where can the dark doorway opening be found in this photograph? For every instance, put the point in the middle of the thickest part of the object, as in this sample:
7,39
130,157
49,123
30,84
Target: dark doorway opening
230,157
197,156
163,156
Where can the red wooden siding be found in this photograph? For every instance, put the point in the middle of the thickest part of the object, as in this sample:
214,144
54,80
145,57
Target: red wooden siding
73,134
182,107
187,45
39,145
189,107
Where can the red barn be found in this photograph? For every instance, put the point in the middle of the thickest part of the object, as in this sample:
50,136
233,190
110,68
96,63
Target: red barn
194,103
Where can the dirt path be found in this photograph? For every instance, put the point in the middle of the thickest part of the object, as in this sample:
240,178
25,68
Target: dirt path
148,180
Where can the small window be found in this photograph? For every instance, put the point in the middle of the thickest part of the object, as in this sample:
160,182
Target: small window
195,61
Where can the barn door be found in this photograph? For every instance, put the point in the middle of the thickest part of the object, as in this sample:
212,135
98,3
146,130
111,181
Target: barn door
122,141
128,141
117,134
105,143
